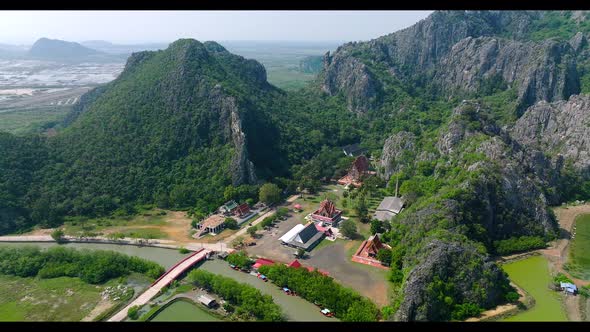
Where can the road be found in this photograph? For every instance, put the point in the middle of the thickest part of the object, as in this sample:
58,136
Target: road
166,279
218,246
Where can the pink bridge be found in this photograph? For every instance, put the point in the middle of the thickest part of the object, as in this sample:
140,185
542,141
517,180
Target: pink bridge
164,280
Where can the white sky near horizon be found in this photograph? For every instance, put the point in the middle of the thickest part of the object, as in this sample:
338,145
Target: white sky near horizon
131,27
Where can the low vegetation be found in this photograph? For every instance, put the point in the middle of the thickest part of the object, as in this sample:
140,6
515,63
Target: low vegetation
61,299
248,303
315,287
94,267
519,244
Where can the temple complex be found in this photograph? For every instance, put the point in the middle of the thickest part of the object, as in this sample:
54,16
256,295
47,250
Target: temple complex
327,214
359,168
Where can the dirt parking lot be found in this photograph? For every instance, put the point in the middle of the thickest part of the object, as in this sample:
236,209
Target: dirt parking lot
269,246
369,281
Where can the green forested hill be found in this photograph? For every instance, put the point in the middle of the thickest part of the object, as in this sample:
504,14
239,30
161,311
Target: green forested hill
176,128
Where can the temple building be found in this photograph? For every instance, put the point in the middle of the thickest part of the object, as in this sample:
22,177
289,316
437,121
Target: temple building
367,252
327,214
304,237
213,224
359,169
390,206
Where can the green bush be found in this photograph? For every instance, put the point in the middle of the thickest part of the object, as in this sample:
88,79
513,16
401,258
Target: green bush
519,244
240,259
560,277
133,312
466,310
183,250
247,299
512,297
230,223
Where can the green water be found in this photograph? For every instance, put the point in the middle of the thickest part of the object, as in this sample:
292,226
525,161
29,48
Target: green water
532,274
183,311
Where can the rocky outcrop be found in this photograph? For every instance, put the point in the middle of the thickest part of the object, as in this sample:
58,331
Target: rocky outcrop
448,262
349,77
394,148
558,128
539,71
457,51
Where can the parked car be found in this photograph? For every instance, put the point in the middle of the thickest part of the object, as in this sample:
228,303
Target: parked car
327,313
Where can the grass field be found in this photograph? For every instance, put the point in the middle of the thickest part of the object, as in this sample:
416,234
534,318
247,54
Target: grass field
579,260
58,299
27,121
532,274
142,233
79,226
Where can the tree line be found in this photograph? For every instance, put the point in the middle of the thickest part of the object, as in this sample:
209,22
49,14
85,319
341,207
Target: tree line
94,267
315,287
247,302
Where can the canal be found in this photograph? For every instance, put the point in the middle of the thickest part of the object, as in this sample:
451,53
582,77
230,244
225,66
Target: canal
294,307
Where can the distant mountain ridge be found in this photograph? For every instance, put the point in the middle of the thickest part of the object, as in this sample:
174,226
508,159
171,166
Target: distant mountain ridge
59,50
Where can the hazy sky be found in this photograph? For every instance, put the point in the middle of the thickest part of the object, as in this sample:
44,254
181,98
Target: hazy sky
24,27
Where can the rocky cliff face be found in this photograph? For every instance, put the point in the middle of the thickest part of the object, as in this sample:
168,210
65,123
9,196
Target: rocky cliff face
242,169
510,178
442,260
456,51
560,128
506,193
350,77
394,148
539,71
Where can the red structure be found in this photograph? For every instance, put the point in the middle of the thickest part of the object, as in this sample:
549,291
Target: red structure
327,214
241,210
262,261
368,250
359,168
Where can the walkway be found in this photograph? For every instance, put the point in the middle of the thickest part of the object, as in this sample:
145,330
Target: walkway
163,281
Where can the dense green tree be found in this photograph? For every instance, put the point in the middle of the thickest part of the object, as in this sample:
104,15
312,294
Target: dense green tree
384,256
230,223
348,228
270,193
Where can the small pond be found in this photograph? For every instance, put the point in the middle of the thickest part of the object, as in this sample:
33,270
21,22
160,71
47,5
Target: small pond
532,274
183,311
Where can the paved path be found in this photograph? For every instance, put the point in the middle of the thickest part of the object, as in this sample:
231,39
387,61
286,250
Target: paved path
163,281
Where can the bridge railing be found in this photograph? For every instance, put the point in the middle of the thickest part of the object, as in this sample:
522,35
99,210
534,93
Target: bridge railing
176,265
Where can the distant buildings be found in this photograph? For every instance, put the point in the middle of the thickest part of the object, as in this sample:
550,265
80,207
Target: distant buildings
327,214
367,252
